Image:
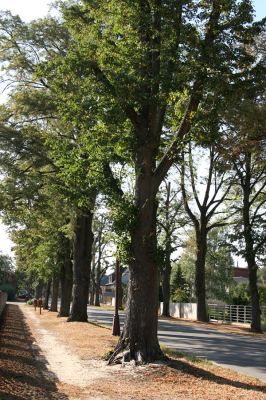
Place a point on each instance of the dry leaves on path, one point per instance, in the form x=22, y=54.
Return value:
x=23, y=372
x=81, y=345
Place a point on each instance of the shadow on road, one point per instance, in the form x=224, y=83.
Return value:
x=23, y=371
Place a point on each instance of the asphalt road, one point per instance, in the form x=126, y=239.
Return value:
x=242, y=353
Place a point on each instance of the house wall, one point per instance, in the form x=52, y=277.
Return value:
x=182, y=310
x=3, y=299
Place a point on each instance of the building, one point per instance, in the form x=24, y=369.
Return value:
x=240, y=275
x=108, y=285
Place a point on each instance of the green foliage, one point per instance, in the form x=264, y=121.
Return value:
x=219, y=264
x=95, y=87
x=262, y=294
x=262, y=274
x=6, y=268
x=9, y=289
x=239, y=294
x=180, y=288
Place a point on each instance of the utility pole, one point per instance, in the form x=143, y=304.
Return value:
x=116, y=323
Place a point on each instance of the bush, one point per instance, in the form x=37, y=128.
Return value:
x=262, y=292
x=9, y=289
x=30, y=302
x=239, y=294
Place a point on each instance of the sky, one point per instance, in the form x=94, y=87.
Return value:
x=32, y=9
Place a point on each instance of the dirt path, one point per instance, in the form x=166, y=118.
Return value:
x=44, y=357
x=62, y=361
x=23, y=372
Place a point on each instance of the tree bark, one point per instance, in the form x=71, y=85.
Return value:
x=249, y=249
x=254, y=293
x=139, y=340
x=47, y=295
x=82, y=253
x=55, y=292
x=97, y=281
x=66, y=279
x=166, y=284
x=201, y=238
x=92, y=294
x=167, y=267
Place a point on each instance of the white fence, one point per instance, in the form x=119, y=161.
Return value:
x=3, y=299
x=182, y=310
x=217, y=312
x=232, y=313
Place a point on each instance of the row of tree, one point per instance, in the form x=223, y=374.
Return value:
x=105, y=102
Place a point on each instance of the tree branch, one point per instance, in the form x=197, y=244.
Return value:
x=196, y=95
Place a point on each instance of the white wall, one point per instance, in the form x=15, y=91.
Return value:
x=182, y=310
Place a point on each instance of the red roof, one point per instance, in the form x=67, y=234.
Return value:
x=240, y=272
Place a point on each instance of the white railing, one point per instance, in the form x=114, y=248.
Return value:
x=232, y=313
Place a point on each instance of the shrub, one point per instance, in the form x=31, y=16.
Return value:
x=239, y=294
x=262, y=292
x=9, y=289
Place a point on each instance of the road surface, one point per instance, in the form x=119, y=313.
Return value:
x=243, y=353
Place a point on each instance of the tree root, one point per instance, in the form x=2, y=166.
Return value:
x=125, y=355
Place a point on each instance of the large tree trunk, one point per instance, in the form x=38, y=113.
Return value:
x=47, y=295
x=55, y=292
x=82, y=249
x=139, y=340
x=255, y=299
x=200, y=286
x=249, y=250
x=66, y=279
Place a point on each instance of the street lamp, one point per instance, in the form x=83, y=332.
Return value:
x=116, y=323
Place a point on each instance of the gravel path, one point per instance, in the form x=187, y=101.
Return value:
x=23, y=373
x=64, y=363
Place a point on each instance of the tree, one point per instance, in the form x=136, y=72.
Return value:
x=131, y=83
x=6, y=268
x=169, y=221
x=8, y=281
x=248, y=161
x=180, y=288
x=206, y=218
x=101, y=251
x=146, y=68
x=218, y=267
x=39, y=135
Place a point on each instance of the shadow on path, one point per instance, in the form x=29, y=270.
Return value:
x=23, y=371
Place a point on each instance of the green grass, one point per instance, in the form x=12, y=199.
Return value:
x=100, y=325
x=189, y=357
